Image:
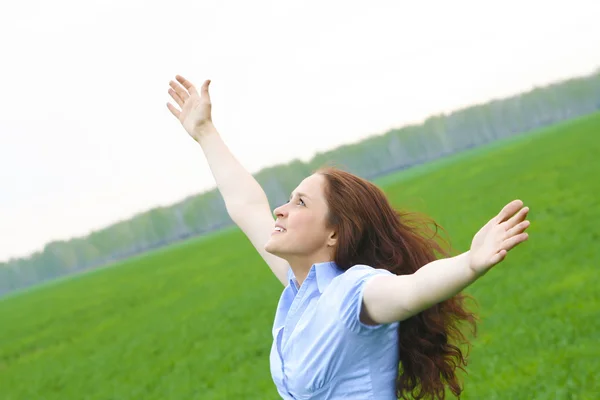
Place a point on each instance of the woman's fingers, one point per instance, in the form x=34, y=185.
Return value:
x=509, y=210
x=512, y=241
x=517, y=218
x=204, y=90
x=181, y=92
x=186, y=84
x=173, y=110
x=498, y=257
x=519, y=228
x=177, y=98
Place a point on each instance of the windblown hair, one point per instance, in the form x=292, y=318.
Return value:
x=371, y=232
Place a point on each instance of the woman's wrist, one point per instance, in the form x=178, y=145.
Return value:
x=204, y=131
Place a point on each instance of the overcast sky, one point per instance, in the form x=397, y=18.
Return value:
x=86, y=138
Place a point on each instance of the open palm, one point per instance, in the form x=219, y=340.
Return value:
x=195, y=108
x=501, y=234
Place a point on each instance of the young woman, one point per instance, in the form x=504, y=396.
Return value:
x=368, y=311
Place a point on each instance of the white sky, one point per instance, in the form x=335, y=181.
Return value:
x=86, y=138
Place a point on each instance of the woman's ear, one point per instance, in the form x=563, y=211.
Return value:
x=332, y=239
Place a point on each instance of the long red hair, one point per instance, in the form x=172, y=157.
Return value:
x=371, y=232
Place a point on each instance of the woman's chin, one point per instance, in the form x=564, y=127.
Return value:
x=274, y=248
x=271, y=248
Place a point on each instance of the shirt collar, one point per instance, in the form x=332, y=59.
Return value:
x=325, y=272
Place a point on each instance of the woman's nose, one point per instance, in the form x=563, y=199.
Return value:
x=279, y=211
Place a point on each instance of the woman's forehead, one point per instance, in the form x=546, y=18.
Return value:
x=311, y=186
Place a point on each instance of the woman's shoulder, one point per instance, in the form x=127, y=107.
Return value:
x=363, y=269
x=358, y=273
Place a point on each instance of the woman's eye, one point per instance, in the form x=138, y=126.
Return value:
x=300, y=201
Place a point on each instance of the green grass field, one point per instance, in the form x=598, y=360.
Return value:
x=193, y=321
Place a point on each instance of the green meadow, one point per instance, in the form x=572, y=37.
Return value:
x=193, y=321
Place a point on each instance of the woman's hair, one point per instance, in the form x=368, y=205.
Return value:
x=371, y=232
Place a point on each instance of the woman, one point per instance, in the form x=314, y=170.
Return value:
x=367, y=311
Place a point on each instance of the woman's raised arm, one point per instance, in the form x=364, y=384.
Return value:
x=395, y=298
x=246, y=201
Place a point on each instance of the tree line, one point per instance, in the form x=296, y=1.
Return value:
x=438, y=136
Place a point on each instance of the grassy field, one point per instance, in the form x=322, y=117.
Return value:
x=193, y=321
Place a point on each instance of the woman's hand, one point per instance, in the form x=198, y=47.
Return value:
x=501, y=234
x=195, y=114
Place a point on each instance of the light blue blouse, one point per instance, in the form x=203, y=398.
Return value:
x=320, y=348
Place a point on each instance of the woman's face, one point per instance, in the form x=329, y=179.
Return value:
x=302, y=220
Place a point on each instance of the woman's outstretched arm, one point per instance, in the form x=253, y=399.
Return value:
x=246, y=201
x=395, y=298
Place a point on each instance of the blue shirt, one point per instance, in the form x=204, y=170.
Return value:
x=321, y=349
